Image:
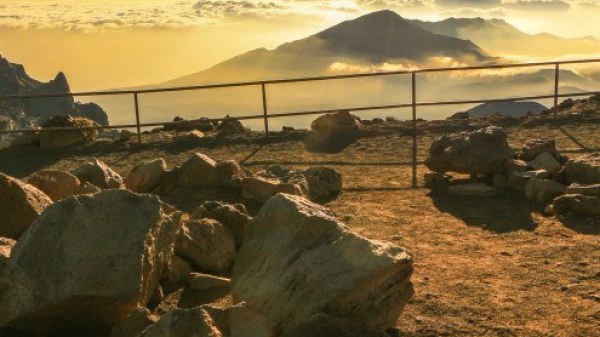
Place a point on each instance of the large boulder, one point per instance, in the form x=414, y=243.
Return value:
x=20, y=205
x=234, y=217
x=6, y=246
x=584, y=170
x=99, y=174
x=484, y=151
x=324, y=183
x=206, y=244
x=333, y=132
x=298, y=260
x=57, y=185
x=184, y=323
x=578, y=204
x=145, y=177
x=88, y=260
x=57, y=139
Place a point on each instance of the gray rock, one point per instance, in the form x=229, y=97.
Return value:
x=324, y=183
x=57, y=185
x=261, y=189
x=534, y=148
x=234, y=217
x=6, y=246
x=484, y=151
x=333, y=132
x=135, y=324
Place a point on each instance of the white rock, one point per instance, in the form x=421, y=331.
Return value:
x=87, y=260
x=297, y=260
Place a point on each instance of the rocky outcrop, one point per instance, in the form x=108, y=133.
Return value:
x=21, y=204
x=86, y=261
x=333, y=132
x=484, y=151
x=206, y=244
x=98, y=174
x=298, y=260
x=59, y=185
x=145, y=177
x=33, y=112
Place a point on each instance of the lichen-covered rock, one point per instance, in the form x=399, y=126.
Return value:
x=87, y=260
x=484, y=151
x=98, y=174
x=183, y=323
x=298, y=260
x=20, y=205
x=57, y=185
x=206, y=244
x=145, y=177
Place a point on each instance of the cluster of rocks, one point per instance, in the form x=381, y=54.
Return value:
x=87, y=252
x=538, y=170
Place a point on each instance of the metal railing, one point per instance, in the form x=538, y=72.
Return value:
x=414, y=104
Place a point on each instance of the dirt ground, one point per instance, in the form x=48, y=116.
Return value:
x=483, y=267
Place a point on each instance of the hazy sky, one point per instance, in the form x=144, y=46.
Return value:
x=113, y=43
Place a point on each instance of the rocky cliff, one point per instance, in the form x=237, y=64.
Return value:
x=25, y=113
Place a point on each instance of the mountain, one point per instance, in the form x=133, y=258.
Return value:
x=26, y=113
x=499, y=37
x=374, y=38
x=506, y=108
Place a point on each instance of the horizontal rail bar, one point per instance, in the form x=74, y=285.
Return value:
x=300, y=79
x=307, y=113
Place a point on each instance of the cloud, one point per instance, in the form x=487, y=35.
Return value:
x=468, y=3
x=538, y=5
x=237, y=8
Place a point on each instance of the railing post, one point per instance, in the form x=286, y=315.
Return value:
x=556, y=79
x=137, y=116
x=265, y=109
x=414, y=127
